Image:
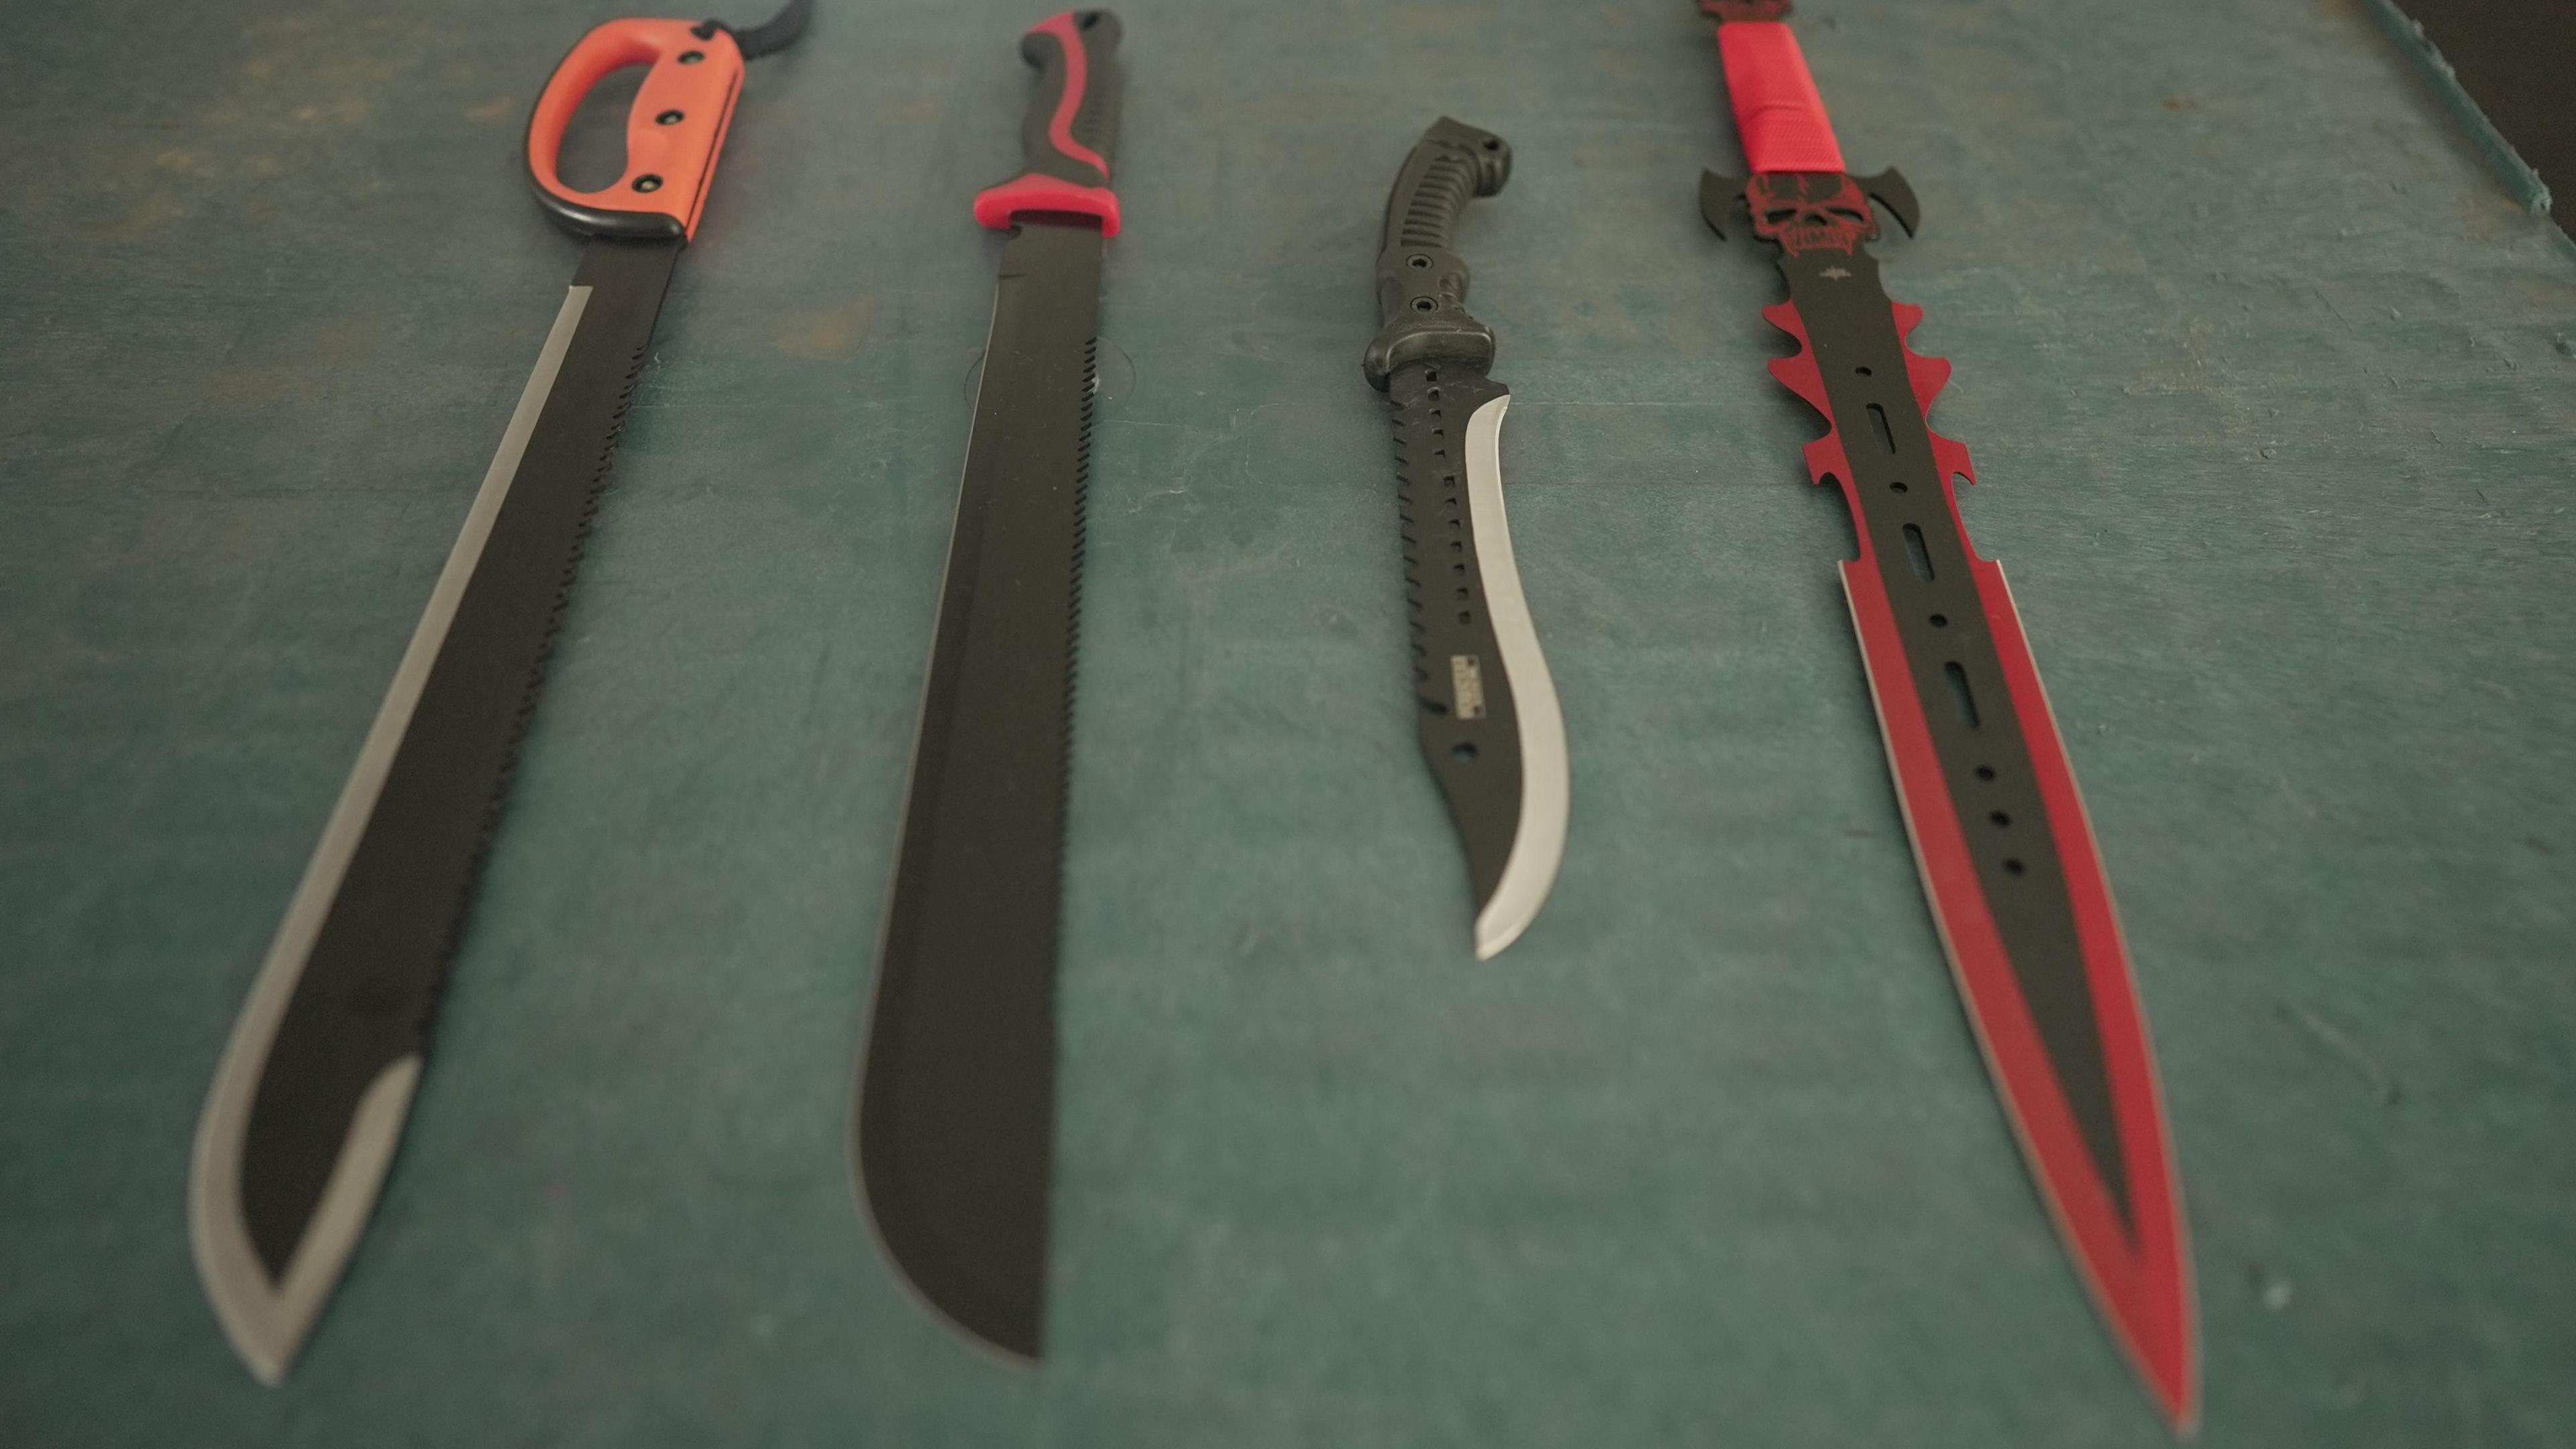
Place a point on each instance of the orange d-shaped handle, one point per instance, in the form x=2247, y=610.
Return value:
x=673, y=133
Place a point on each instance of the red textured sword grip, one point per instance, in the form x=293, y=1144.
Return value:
x=1778, y=114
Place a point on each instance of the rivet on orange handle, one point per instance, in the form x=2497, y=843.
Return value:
x=673, y=133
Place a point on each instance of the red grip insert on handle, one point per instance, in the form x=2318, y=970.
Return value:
x=673, y=133
x=1778, y=114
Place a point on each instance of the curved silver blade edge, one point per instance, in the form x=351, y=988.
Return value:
x=267, y=1322
x=1538, y=843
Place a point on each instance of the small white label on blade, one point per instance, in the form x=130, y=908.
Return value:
x=1467, y=685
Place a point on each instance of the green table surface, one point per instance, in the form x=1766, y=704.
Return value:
x=2273, y=389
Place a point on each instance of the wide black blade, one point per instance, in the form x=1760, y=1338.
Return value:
x=305, y=1111
x=1490, y=726
x=957, y=1098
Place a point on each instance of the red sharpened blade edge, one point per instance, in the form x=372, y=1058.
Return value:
x=2140, y=1281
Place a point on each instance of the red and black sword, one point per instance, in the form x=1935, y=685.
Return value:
x=2000, y=836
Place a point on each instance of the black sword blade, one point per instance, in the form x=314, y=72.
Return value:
x=956, y=1107
x=309, y=1103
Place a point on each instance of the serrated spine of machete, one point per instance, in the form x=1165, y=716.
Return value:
x=1073, y=590
x=490, y=823
x=1408, y=515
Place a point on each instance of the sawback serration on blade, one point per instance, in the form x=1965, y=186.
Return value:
x=302, y=1121
x=955, y=1119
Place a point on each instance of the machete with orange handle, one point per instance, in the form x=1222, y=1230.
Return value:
x=2000, y=836
x=309, y=1102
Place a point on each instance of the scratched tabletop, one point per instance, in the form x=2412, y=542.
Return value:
x=2272, y=385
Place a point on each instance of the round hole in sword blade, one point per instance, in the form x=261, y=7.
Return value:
x=692, y=57
x=2013, y=867
x=1860, y=372
x=1999, y=817
x=1985, y=772
x=648, y=182
x=1464, y=752
x=1418, y=263
x=670, y=118
x=1896, y=487
x=1424, y=304
x=1940, y=621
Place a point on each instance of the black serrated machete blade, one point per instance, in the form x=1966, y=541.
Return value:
x=309, y=1103
x=956, y=1109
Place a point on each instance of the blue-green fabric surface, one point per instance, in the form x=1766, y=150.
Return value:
x=2270, y=384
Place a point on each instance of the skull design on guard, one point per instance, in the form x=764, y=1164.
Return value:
x=1808, y=211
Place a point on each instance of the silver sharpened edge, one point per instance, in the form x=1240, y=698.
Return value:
x=267, y=1322
x=1538, y=843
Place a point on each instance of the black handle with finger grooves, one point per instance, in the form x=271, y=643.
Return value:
x=1421, y=279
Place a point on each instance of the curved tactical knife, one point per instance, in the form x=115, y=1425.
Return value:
x=955, y=1118
x=2006, y=854
x=1489, y=722
x=309, y=1102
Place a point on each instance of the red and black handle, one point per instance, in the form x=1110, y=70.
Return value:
x=1798, y=194
x=1071, y=128
x=674, y=130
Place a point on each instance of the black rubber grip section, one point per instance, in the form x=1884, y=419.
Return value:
x=1421, y=279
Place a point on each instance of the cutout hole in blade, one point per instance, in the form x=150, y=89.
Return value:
x=1878, y=425
x=1464, y=752
x=1917, y=554
x=1962, y=696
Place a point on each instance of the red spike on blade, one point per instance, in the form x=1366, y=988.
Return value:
x=2139, y=1280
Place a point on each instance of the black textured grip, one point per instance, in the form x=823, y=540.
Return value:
x=1421, y=279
